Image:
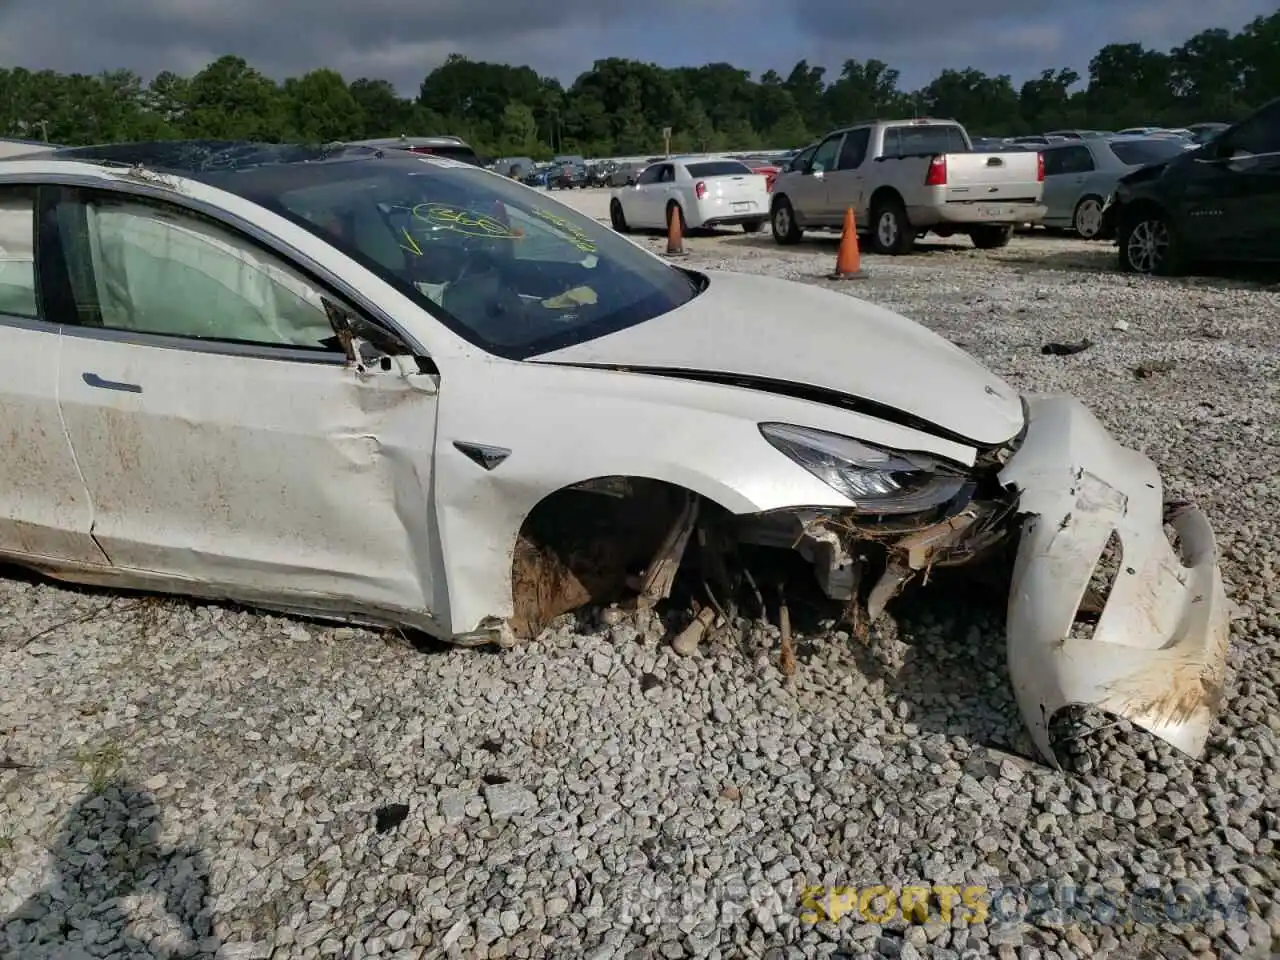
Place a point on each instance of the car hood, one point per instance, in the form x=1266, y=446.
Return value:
x=794, y=338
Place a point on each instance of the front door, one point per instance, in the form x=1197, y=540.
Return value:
x=644, y=210
x=1250, y=167
x=45, y=513
x=223, y=436
x=809, y=193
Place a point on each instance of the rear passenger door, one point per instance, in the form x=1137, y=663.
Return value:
x=45, y=513
x=1066, y=170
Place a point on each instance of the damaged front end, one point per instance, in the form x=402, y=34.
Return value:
x=1063, y=489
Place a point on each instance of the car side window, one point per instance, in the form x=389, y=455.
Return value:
x=1258, y=134
x=854, y=150
x=650, y=175
x=156, y=269
x=824, y=158
x=1076, y=159
x=17, y=252
x=667, y=173
x=1055, y=162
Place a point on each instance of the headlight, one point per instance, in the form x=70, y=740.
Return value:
x=878, y=481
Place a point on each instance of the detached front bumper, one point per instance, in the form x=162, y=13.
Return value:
x=1157, y=655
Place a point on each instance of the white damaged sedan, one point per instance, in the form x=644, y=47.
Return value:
x=398, y=390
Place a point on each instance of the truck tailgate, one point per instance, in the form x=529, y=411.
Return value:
x=993, y=176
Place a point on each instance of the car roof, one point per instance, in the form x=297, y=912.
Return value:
x=440, y=141
x=245, y=168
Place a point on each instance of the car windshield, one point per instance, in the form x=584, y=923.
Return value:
x=719, y=168
x=1142, y=152
x=505, y=266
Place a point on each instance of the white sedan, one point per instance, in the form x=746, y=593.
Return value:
x=400, y=390
x=702, y=193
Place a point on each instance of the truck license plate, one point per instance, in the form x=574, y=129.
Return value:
x=994, y=213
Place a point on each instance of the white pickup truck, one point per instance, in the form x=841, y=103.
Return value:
x=906, y=178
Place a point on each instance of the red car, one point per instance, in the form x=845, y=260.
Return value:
x=768, y=168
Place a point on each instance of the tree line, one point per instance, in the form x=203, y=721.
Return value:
x=622, y=106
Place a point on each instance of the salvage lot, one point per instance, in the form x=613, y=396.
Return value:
x=590, y=794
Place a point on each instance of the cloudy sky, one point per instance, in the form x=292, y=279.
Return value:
x=400, y=40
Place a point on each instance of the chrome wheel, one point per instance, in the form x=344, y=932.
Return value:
x=1148, y=245
x=887, y=230
x=782, y=220
x=1089, y=218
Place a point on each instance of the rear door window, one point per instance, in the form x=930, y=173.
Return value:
x=854, y=150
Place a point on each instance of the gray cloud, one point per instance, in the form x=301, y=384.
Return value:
x=401, y=40
x=1019, y=37
x=397, y=39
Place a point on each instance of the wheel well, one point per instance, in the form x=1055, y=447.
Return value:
x=1143, y=207
x=777, y=198
x=582, y=543
x=885, y=194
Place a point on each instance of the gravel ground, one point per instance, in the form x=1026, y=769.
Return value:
x=186, y=779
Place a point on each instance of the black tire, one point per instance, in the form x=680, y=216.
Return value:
x=1086, y=219
x=991, y=238
x=752, y=226
x=891, y=231
x=617, y=218
x=684, y=227
x=783, y=221
x=1149, y=244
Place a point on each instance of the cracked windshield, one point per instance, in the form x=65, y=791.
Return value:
x=512, y=272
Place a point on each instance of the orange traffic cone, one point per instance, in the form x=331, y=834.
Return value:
x=675, y=234
x=848, y=259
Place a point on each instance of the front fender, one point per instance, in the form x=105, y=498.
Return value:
x=563, y=425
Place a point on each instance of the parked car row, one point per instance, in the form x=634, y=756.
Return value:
x=1166, y=196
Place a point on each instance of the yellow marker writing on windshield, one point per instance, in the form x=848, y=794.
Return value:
x=413, y=244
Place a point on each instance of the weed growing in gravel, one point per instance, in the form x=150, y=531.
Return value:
x=100, y=765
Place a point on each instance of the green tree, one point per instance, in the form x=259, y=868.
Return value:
x=320, y=107
x=621, y=105
x=519, y=130
x=230, y=99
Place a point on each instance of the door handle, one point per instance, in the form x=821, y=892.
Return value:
x=93, y=380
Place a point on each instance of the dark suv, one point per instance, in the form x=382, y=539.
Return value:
x=1219, y=202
